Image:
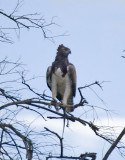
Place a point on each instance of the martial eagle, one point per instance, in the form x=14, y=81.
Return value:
x=61, y=78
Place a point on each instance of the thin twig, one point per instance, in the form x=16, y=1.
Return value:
x=60, y=139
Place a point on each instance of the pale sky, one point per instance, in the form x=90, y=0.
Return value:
x=96, y=36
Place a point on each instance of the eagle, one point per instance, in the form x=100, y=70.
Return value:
x=61, y=78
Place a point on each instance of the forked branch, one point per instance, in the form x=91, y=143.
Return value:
x=27, y=142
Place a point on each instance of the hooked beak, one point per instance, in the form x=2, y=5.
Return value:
x=69, y=52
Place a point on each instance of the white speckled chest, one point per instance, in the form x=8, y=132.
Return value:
x=61, y=84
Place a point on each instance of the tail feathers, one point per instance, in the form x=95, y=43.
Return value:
x=69, y=102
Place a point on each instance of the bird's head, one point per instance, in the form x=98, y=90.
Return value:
x=63, y=51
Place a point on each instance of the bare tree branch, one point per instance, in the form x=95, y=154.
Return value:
x=25, y=21
x=114, y=144
x=27, y=142
x=13, y=105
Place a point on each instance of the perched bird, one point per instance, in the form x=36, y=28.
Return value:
x=61, y=78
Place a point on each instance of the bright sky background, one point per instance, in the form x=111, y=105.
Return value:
x=96, y=37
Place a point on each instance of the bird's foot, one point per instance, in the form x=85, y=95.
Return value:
x=55, y=104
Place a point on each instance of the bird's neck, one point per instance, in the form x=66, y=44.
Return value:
x=62, y=59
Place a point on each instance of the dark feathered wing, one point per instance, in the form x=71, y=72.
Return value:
x=49, y=77
x=72, y=76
